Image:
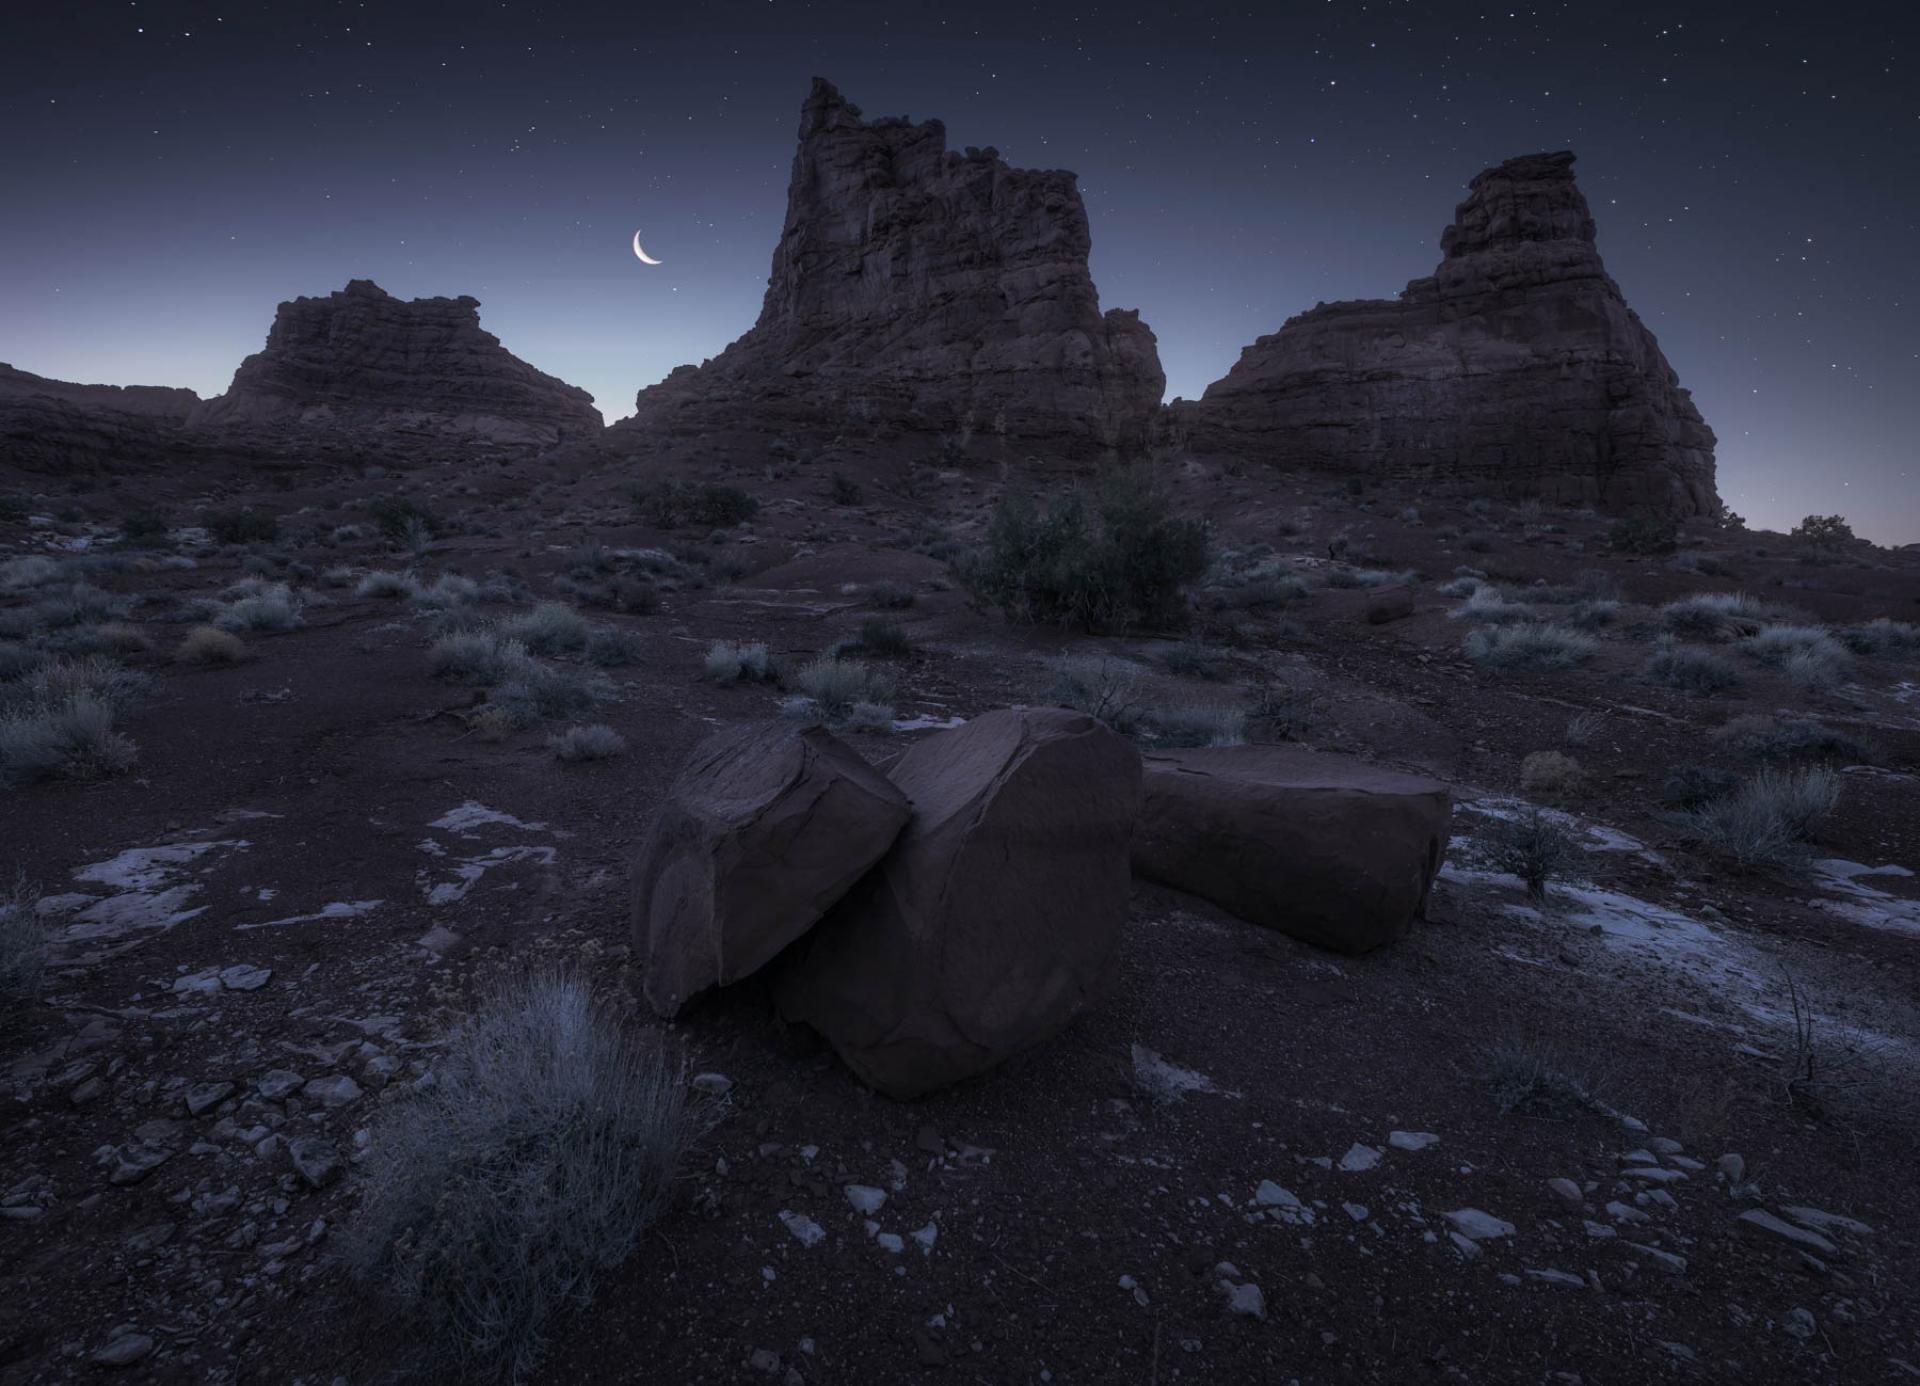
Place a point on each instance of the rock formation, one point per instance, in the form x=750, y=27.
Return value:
x=922, y=292
x=397, y=377
x=56, y=426
x=762, y=831
x=1320, y=847
x=1517, y=364
x=995, y=918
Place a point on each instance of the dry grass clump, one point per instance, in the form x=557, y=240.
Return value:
x=114, y=637
x=23, y=946
x=1486, y=606
x=57, y=721
x=1351, y=578
x=1809, y=656
x=1100, y=686
x=545, y=1146
x=595, y=741
x=891, y=596
x=1769, y=819
x=1529, y=647
x=1551, y=773
x=1713, y=615
x=610, y=647
x=269, y=607
x=843, y=692
x=1532, y=846
x=550, y=628
x=447, y=590
x=380, y=583
x=1196, y=725
x=1771, y=738
x=728, y=663
x=1882, y=638
x=1699, y=672
x=210, y=645
x=1528, y=1074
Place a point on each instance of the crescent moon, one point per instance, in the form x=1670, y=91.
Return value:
x=645, y=258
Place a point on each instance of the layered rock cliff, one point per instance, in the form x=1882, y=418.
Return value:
x=1517, y=364
x=399, y=375
x=57, y=426
x=920, y=291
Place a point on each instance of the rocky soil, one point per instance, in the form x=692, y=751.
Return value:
x=1254, y=1161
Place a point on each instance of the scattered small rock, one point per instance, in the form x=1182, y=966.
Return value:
x=314, y=1160
x=805, y=1230
x=1472, y=1223
x=1411, y=1140
x=713, y=1084
x=125, y=1349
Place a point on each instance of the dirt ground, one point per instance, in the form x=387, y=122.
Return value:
x=318, y=860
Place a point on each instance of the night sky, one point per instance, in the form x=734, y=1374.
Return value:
x=172, y=171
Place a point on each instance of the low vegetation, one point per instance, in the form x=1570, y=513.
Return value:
x=1534, y=646
x=843, y=692
x=1767, y=820
x=23, y=947
x=240, y=526
x=210, y=645
x=57, y=721
x=595, y=741
x=1809, y=656
x=1533, y=846
x=1760, y=737
x=1690, y=670
x=1712, y=616
x=670, y=504
x=493, y=1198
x=728, y=663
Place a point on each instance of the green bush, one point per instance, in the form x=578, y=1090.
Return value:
x=1111, y=560
x=1824, y=531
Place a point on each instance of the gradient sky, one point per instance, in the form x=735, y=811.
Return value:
x=172, y=171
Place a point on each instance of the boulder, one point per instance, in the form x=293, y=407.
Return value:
x=1320, y=847
x=921, y=298
x=764, y=829
x=995, y=918
x=1517, y=365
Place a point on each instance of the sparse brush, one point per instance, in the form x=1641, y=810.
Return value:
x=1584, y=728
x=447, y=590
x=1533, y=847
x=480, y=657
x=533, y=692
x=1260, y=587
x=669, y=504
x=1532, y=646
x=1593, y=613
x=113, y=637
x=1532, y=1075
x=728, y=663
x=1100, y=686
x=1768, y=819
x=1694, y=786
x=17, y=661
x=1883, y=639
x=210, y=645
x=1808, y=655
x=1194, y=726
x=550, y=628
x=70, y=738
x=23, y=946
x=595, y=741
x=1365, y=577
x=884, y=640
x=1486, y=606
x=610, y=647
x=1699, y=672
x=891, y=596
x=835, y=685
x=493, y=1198
x=276, y=608
x=1193, y=660
x=1770, y=738
x=1550, y=773
x=1712, y=615
x=28, y=571
x=340, y=575
x=386, y=584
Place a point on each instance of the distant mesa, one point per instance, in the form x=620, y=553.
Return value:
x=54, y=425
x=922, y=294
x=361, y=361
x=1517, y=364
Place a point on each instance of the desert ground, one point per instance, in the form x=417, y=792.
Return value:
x=1659, y=1125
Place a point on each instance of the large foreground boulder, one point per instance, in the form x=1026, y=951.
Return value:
x=764, y=829
x=1320, y=847
x=995, y=918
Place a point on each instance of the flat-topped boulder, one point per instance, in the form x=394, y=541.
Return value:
x=1321, y=847
x=399, y=374
x=995, y=918
x=1517, y=365
x=925, y=296
x=762, y=831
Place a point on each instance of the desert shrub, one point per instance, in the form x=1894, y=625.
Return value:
x=1550, y=773
x=1767, y=820
x=1770, y=738
x=1486, y=606
x=708, y=505
x=144, y=529
x=240, y=526
x=1824, y=531
x=210, y=645
x=835, y=685
x=69, y=737
x=1534, y=646
x=385, y=584
x=610, y=647
x=449, y=589
x=1112, y=560
x=23, y=947
x=28, y=571
x=891, y=596
x=112, y=637
x=1465, y=585
x=883, y=639
x=1592, y=614
x=480, y=657
x=1883, y=638
x=80, y=604
x=550, y=628
x=727, y=663
x=595, y=741
x=17, y=661
x=1196, y=725
x=1194, y=660
x=276, y=608
x=1700, y=672
x=1712, y=615
x=1643, y=535
x=348, y=534
x=340, y=575
x=1259, y=587
x=1351, y=578
x=545, y=1146
x=1532, y=846
x=844, y=490
x=1530, y=1075
x=1807, y=655
x=532, y=692
x=1100, y=686
x=400, y=520
x=1693, y=786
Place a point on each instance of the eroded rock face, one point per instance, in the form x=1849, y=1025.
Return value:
x=764, y=829
x=921, y=292
x=994, y=919
x=401, y=374
x=1517, y=364
x=57, y=426
x=1320, y=847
